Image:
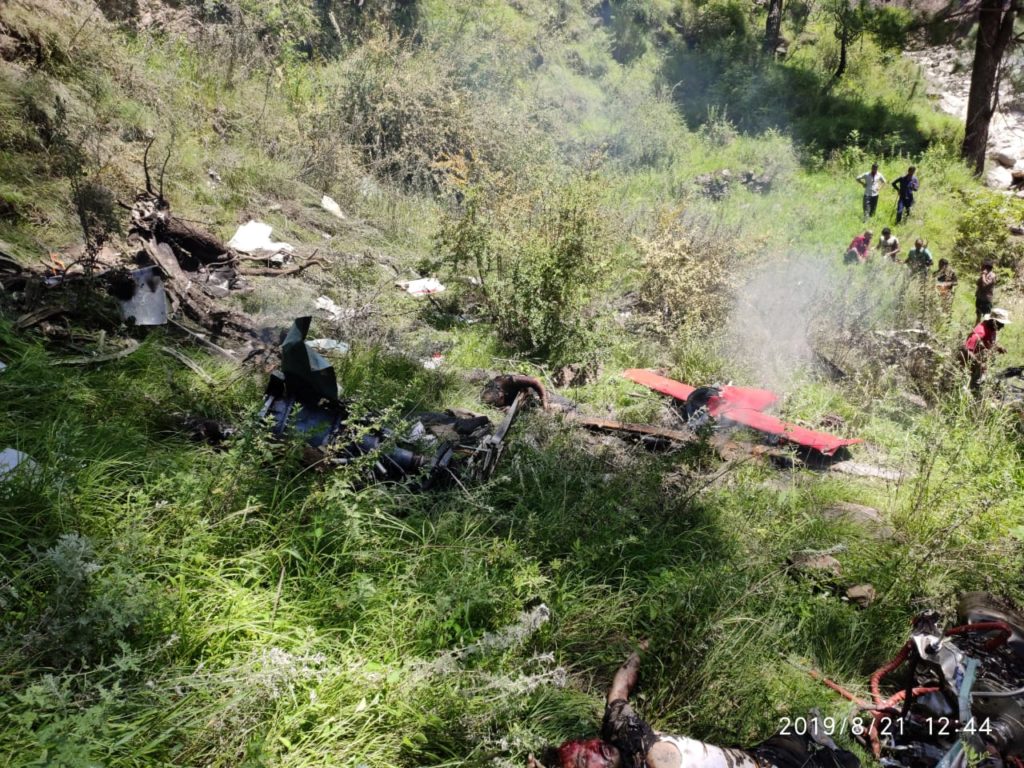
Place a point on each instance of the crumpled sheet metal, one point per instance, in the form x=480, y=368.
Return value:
x=309, y=375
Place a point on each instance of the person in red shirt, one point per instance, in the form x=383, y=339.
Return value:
x=858, y=250
x=981, y=344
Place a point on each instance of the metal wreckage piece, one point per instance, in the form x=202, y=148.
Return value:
x=960, y=699
x=303, y=398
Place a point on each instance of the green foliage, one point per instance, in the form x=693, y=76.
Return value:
x=983, y=231
x=537, y=263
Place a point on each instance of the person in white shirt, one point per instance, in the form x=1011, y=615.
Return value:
x=872, y=182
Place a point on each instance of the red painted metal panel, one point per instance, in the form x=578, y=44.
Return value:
x=763, y=422
x=745, y=397
x=662, y=384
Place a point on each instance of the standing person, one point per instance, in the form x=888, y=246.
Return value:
x=905, y=187
x=872, y=182
x=627, y=741
x=945, y=282
x=981, y=344
x=889, y=245
x=919, y=259
x=984, y=291
x=857, y=252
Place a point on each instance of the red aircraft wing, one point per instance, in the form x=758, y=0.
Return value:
x=662, y=384
x=743, y=405
x=820, y=441
x=746, y=397
x=734, y=397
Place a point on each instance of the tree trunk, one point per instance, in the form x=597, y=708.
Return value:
x=773, y=26
x=844, y=42
x=995, y=31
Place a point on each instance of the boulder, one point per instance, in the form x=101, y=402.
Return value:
x=861, y=595
x=867, y=518
x=998, y=177
x=1003, y=157
x=815, y=564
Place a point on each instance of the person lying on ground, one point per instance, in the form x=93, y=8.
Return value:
x=627, y=741
x=905, y=187
x=889, y=244
x=872, y=182
x=919, y=258
x=984, y=291
x=981, y=344
x=857, y=252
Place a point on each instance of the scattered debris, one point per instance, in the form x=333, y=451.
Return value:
x=717, y=184
x=147, y=302
x=329, y=205
x=424, y=286
x=303, y=397
x=864, y=517
x=14, y=461
x=128, y=347
x=327, y=346
x=574, y=375
x=739, y=406
x=254, y=236
x=861, y=595
x=3, y=366
x=964, y=685
x=639, y=430
x=501, y=391
x=433, y=362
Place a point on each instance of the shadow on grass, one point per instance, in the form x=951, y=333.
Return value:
x=756, y=94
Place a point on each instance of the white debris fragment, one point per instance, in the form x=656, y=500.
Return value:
x=421, y=287
x=3, y=366
x=332, y=207
x=433, y=362
x=325, y=346
x=254, y=236
x=12, y=461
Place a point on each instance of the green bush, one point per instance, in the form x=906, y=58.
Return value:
x=537, y=262
x=983, y=231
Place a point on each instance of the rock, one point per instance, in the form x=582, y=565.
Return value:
x=861, y=595
x=998, y=177
x=815, y=564
x=867, y=518
x=1003, y=157
x=911, y=399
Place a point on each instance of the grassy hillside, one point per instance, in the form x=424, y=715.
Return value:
x=166, y=604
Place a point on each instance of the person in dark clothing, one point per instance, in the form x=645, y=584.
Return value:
x=919, y=259
x=627, y=741
x=905, y=187
x=984, y=291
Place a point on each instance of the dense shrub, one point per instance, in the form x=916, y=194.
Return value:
x=983, y=231
x=73, y=607
x=689, y=270
x=537, y=261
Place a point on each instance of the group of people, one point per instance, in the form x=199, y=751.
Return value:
x=919, y=259
x=906, y=185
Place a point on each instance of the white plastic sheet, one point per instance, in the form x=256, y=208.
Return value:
x=254, y=236
x=421, y=287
